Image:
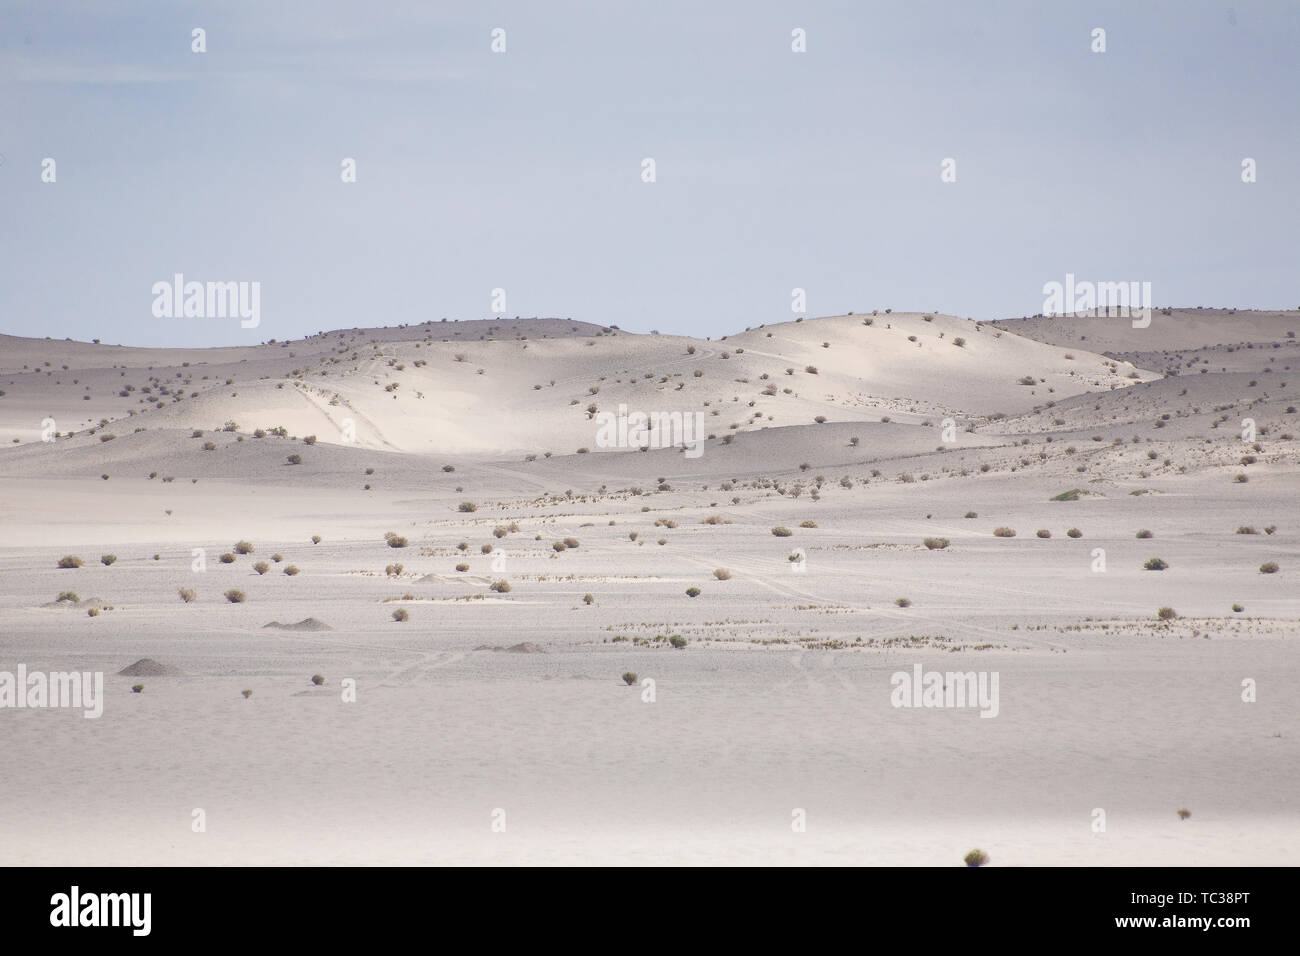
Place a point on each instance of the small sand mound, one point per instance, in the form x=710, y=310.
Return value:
x=148, y=667
x=527, y=647
x=306, y=624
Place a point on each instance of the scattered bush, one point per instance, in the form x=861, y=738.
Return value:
x=243, y=547
x=400, y=614
x=261, y=567
x=1268, y=567
x=1144, y=533
x=467, y=506
x=318, y=679
x=588, y=599
x=500, y=587
x=976, y=858
x=315, y=539
x=137, y=688
x=1074, y=533
x=291, y=570
x=234, y=596
x=247, y=694
x=722, y=574
x=1004, y=533
x=629, y=678
x=692, y=592
x=107, y=559
x=187, y=594
x=936, y=544
x=677, y=641
x=227, y=558
x=1238, y=608
x=782, y=532
x=295, y=459
x=1043, y=533
x=1156, y=564
x=395, y=540
x=70, y=561
x=1166, y=614
x=903, y=602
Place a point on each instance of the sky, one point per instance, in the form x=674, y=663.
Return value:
x=523, y=170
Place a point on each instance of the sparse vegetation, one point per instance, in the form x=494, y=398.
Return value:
x=1156, y=564
x=781, y=532
x=1268, y=567
x=1166, y=614
x=401, y=614
x=70, y=561
x=107, y=559
x=234, y=596
x=629, y=678
x=1004, y=532
x=936, y=544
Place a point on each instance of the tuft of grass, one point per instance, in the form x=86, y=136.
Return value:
x=92, y=612
x=234, y=596
x=70, y=561
x=1166, y=614
x=68, y=596
x=971, y=514
x=1246, y=529
x=277, y=557
x=936, y=544
x=1156, y=564
x=395, y=540
x=807, y=524
x=1071, y=495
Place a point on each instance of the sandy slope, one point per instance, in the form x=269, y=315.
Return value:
x=781, y=698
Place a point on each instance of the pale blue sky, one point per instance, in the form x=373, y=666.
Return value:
x=522, y=170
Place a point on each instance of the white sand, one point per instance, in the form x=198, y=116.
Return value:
x=1101, y=705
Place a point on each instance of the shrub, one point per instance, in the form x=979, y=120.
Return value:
x=291, y=570
x=318, y=679
x=92, y=612
x=1238, y=608
x=107, y=559
x=959, y=341
x=1075, y=533
x=277, y=557
x=629, y=678
x=1246, y=529
x=400, y=614
x=571, y=542
x=393, y=570
x=1184, y=813
x=975, y=857
x=243, y=547
x=212, y=446
x=1166, y=614
x=722, y=574
x=971, y=514
x=462, y=567
x=395, y=540
x=499, y=532
x=227, y=558
x=807, y=524
x=1241, y=479
x=1156, y=564
x=936, y=544
x=677, y=641
x=588, y=599
x=1268, y=567
x=782, y=532
x=234, y=596
x=247, y=694
x=261, y=567
x=68, y=596
x=187, y=594
x=467, y=506
x=1144, y=533
x=501, y=587
x=1043, y=533
x=137, y=688
x=903, y=602
x=70, y=561
x=1071, y=495
x=295, y=459
x=1004, y=533
x=315, y=539
x=559, y=546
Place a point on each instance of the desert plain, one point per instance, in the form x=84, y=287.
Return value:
x=475, y=568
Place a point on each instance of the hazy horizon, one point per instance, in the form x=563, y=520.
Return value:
x=522, y=170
